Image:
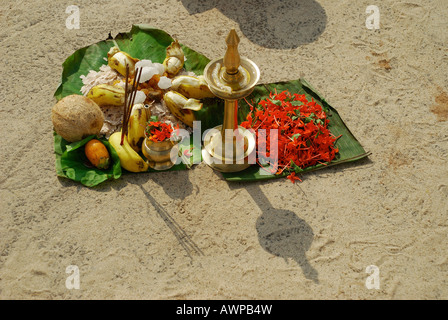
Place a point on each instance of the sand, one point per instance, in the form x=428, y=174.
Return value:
x=192, y=235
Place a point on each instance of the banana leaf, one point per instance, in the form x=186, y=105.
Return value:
x=145, y=42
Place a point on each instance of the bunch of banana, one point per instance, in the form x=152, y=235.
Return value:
x=137, y=125
x=118, y=60
x=106, y=94
x=182, y=107
x=174, y=61
x=129, y=158
x=192, y=87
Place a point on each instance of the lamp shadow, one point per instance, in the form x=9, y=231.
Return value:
x=282, y=233
x=284, y=24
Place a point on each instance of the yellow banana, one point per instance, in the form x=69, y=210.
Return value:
x=192, y=87
x=174, y=61
x=182, y=107
x=137, y=126
x=106, y=94
x=129, y=158
x=172, y=66
x=118, y=60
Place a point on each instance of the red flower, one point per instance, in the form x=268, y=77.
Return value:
x=293, y=177
x=158, y=131
x=302, y=131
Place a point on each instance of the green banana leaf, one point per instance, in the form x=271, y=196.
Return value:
x=145, y=42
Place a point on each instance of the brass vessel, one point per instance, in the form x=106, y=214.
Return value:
x=158, y=154
x=230, y=147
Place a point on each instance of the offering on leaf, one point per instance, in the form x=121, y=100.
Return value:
x=161, y=144
x=175, y=58
x=107, y=88
x=138, y=119
x=119, y=60
x=76, y=117
x=143, y=88
x=182, y=107
x=300, y=128
x=192, y=87
x=89, y=67
x=107, y=95
x=96, y=152
x=129, y=158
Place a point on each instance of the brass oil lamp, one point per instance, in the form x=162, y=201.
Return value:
x=229, y=147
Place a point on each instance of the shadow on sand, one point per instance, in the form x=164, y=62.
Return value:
x=182, y=237
x=282, y=233
x=284, y=24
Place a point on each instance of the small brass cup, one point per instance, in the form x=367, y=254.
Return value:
x=158, y=154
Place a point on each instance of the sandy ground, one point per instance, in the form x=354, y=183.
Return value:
x=192, y=235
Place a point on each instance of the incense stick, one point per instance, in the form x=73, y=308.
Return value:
x=129, y=100
x=134, y=93
x=125, y=104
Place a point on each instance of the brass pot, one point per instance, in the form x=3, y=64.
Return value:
x=159, y=153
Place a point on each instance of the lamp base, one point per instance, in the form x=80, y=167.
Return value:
x=229, y=153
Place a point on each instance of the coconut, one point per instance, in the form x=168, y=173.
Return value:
x=75, y=117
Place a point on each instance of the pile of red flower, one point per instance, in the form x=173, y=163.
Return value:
x=158, y=131
x=301, y=129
